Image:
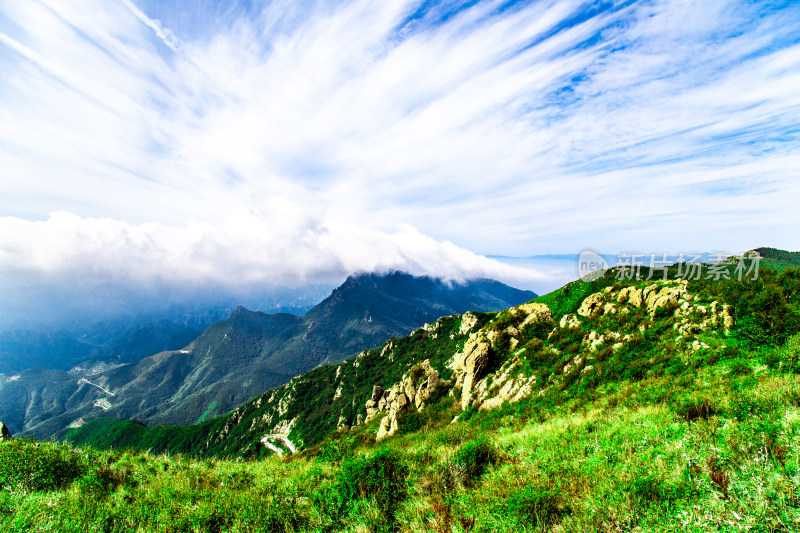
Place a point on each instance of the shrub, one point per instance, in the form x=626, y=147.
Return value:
x=34, y=466
x=334, y=450
x=662, y=312
x=740, y=367
x=691, y=409
x=474, y=457
x=104, y=479
x=382, y=476
x=539, y=330
x=537, y=506
x=416, y=373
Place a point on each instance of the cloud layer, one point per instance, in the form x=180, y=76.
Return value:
x=266, y=249
x=300, y=140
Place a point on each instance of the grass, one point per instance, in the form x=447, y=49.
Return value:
x=620, y=462
x=655, y=436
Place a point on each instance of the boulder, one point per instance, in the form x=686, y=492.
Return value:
x=636, y=297
x=533, y=312
x=569, y=321
x=592, y=306
x=377, y=393
x=624, y=294
x=427, y=380
x=415, y=388
x=389, y=426
x=727, y=318
x=650, y=292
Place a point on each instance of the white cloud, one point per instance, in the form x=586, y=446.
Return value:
x=284, y=246
x=294, y=141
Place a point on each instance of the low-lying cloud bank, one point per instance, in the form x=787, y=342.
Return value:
x=67, y=271
x=279, y=248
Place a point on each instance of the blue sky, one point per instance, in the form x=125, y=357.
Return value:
x=292, y=141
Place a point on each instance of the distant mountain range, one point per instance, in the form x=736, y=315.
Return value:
x=22, y=350
x=237, y=358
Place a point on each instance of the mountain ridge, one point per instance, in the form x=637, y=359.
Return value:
x=573, y=329
x=250, y=352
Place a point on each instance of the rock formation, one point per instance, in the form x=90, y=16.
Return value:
x=416, y=387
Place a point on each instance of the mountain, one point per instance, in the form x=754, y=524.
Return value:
x=140, y=341
x=23, y=349
x=250, y=352
x=619, y=404
x=563, y=346
x=778, y=259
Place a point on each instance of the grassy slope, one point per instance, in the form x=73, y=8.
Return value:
x=658, y=441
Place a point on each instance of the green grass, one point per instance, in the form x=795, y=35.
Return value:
x=652, y=436
x=621, y=462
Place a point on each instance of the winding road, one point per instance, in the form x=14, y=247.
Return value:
x=84, y=380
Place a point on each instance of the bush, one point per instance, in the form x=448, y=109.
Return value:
x=104, y=479
x=539, y=330
x=334, y=450
x=35, y=466
x=474, y=457
x=740, y=367
x=382, y=476
x=691, y=409
x=537, y=506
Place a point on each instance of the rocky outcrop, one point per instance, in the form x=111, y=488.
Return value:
x=592, y=306
x=372, y=403
x=416, y=387
x=5, y=434
x=533, y=312
x=474, y=362
x=668, y=295
x=471, y=365
x=468, y=322
x=569, y=321
x=509, y=384
x=697, y=319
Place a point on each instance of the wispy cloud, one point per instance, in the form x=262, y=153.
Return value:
x=328, y=131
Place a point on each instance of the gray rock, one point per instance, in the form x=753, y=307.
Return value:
x=470, y=366
x=377, y=393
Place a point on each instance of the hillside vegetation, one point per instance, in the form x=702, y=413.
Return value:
x=235, y=359
x=615, y=405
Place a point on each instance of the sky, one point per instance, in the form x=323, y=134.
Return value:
x=293, y=142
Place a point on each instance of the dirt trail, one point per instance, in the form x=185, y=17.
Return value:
x=84, y=380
